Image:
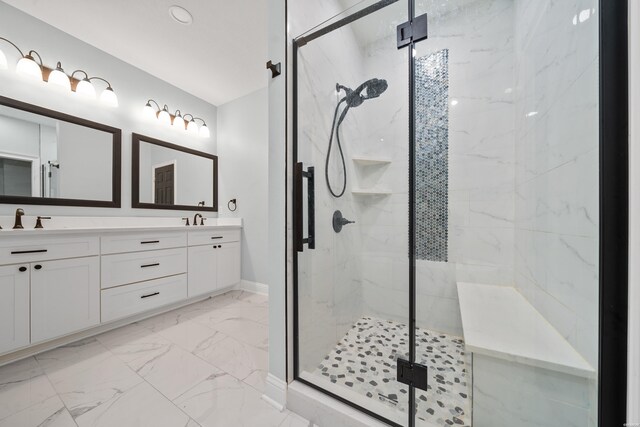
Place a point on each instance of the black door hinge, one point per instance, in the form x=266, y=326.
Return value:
x=412, y=374
x=412, y=31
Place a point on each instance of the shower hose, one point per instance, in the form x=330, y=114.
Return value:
x=335, y=129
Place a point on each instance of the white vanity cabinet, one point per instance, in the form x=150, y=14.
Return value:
x=14, y=307
x=49, y=287
x=214, y=261
x=56, y=283
x=65, y=297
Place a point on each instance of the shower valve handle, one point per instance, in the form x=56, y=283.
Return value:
x=339, y=221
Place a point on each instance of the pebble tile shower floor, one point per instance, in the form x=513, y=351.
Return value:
x=365, y=361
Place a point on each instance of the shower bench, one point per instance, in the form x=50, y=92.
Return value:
x=521, y=361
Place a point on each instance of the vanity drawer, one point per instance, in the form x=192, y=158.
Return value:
x=146, y=241
x=121, y=269
x=140, y=297
x=23, y=249
x=207, y=237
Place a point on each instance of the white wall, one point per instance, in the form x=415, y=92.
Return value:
x=133, y=87
x=243, y=152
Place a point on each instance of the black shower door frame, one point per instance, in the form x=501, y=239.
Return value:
x=613, y=209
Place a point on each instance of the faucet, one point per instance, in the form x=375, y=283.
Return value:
x=195, y=219
x=18, y=223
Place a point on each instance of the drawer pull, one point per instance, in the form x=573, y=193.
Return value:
x=149, y=242
x=37, y=251
x=150, y=265
x=37, y=267
x=216, y=237
x=150, y=295
x=22, y=269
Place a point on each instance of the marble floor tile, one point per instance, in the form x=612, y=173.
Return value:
x=247, y=331
x=72, y=357
x=257, y=379
x=86, y=389
x=141, y=406
x=236, y=310
x=22, y=385
x=173, y=372
x=222, y=400
x=235, y=357
x=166, y=320
x=190, y=335
x=139, y=345
x=250, y=297
x=198, y=366
x=50, y=412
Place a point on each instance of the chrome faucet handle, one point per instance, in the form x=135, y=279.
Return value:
x=39, y=221
x=186, y=219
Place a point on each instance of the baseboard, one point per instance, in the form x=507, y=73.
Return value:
x=275, y=392
x=255, y=287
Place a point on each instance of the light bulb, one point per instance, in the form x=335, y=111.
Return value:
x=85, y=88
x=3, y=61
x=192, y=127
x=59, y=78
x=204, y=131
x=164, y=117
x=149, y=111
x=178, y=121
x=109, y=98
x=29, y=68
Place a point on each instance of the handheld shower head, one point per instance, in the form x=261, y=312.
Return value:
x=372, y=88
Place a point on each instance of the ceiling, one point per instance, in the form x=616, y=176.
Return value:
x=219, y=57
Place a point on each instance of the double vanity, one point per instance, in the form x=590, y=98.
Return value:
x=57, y=282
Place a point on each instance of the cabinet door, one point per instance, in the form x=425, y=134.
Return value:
x=65, y=297
x=14, y=307
x=203, y=267
x=228, y=264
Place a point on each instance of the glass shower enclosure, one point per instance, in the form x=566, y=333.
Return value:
x=446, y=211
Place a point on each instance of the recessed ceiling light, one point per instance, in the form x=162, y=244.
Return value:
x=181, y=15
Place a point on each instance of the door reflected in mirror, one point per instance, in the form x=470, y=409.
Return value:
x=48, y=157
x=168, y=176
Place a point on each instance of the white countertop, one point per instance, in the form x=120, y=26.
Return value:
x=498, y=321
x=69, y=225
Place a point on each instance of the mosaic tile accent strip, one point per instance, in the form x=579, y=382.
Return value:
x=432, y=155
x=365, y=362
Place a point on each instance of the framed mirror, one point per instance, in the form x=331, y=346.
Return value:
x=169, y=176
x=52, y=158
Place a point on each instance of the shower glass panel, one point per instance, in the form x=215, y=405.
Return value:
x=352, y=289
x=447, y=194
x=506, y=179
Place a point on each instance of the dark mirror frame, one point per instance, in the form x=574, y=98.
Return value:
x=116, y=163
x=135, y=175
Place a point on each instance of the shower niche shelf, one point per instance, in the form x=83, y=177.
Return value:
x=370, y=192
x=370, y=160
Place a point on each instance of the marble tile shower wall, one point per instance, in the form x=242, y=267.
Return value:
x=479, y=37
x=557, y=162
x=329, y=282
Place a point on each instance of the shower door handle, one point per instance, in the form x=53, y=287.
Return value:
x=298, y=207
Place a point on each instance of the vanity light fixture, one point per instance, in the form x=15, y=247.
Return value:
x=29, y=67
x=177, y=120
x=59, y=78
